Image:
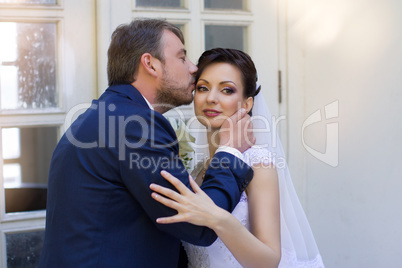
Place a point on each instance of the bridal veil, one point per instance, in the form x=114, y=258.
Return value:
x=299, y=248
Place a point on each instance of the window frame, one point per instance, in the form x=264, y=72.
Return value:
x=42, y=117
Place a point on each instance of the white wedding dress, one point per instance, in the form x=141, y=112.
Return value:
x=298, y=246
x=218, y=255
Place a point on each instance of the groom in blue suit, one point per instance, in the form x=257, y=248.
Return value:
x=99, y=209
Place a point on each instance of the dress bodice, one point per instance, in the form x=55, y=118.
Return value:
x=218, y=255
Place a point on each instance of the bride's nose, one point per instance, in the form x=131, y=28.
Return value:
x=212, y=97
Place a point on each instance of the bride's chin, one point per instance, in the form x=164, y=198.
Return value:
x=214, y=127
x=210, y=124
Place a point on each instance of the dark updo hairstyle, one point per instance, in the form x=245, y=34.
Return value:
x=238, y=59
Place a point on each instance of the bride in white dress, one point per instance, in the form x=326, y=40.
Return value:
x=268, y=227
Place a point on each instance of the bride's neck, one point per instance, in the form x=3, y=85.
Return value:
x=213, y=141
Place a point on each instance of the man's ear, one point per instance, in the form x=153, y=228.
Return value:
x=150, y=64
x=249, y=104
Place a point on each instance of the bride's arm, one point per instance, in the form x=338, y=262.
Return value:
x=261, y=248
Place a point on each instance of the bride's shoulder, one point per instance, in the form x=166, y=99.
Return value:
x=257, y=154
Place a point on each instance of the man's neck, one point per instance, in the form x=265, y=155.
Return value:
x=147, y=91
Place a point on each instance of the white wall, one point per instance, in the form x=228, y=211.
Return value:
x=349, y=51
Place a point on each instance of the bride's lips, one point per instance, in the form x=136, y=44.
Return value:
x=211, y=112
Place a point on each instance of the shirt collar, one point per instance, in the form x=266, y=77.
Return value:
x=149, y=104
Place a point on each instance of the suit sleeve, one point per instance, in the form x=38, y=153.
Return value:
x=152, y=147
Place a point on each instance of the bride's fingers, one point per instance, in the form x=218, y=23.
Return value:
x=194, y=185
x=197, y=189
x=172, y=219
x=166, y=192
x=166, y=201
x=175, y=182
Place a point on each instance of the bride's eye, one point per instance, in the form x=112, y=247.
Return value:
x=228, y=90
x=202, y=88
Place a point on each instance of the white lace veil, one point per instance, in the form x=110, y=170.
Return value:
x=299, y=248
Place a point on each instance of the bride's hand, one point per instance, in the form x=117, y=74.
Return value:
x=195, y=208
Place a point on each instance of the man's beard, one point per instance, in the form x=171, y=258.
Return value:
x=171, y=94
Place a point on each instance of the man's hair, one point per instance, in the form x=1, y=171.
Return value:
x=239, y=59
x=130, y=42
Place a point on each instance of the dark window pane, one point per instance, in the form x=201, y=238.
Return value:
x=44, y=2
x=24, y=249
x=159, y=3
x=28, y=65
x=180, y=26
x=27, y=153
x=224, y=36
x=224, y=4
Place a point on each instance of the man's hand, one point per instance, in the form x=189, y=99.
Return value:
x=237, y=131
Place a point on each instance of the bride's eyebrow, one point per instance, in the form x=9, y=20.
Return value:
x=224, y=82
x=203, y=80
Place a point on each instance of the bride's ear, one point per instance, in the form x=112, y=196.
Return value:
x=249, y=104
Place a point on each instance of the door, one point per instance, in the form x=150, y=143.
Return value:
x=53, y=62
x=47, y=67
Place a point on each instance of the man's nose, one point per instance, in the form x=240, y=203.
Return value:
x=193, y=68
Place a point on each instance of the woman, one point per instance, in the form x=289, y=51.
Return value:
x=268, y=227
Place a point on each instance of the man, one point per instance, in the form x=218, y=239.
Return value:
x=100, y=212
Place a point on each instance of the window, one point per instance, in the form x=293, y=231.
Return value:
x=25, y=171
x=159, y=3
x=29, y=85
x=23, y=249
x=224, y=4
x=28, y=66
x=33, y=2
x=47, y=67
x=225, y=36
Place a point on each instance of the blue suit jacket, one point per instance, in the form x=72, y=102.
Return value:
x=99, y=209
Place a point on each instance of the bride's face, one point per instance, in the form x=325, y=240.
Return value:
x=219, y=94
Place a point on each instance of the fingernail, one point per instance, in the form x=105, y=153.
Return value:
x=163, y=172
x=242, y=110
